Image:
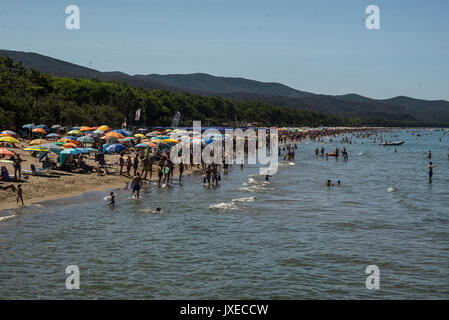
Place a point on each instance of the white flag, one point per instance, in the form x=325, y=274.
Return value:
x=138, y=114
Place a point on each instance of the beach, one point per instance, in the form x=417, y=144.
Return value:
x=57, y=184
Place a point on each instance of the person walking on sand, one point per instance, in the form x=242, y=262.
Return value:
x=136, y=164
x=136, y=185
x=121, y=162
x=20, y=194
x=145, y=167
x=128, y=165
x=17, y=164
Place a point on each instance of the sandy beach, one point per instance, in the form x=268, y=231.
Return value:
x=57, y=184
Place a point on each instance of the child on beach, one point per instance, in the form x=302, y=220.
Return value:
x=19, y=194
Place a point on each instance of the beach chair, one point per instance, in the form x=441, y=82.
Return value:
x=36, y=171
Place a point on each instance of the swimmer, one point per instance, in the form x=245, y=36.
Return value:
x=329, y=183
x=111, y=199
x=267, y=178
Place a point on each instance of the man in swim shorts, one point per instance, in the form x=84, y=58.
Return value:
x=136, y=185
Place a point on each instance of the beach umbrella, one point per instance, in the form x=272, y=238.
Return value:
x=108, y=138
x=104, y=128
x=85, y=128
x=51, y=146
x=59, y=143
x=114, y=148
x=142, y=145
x=128, y=139
x=76, y=143
x=56, y=127
x=76, y=128
x=139, y=135
x=39, y=130
x=5, y=135
x=9, y=139
x=36, y=148
x=6, y=152
x=70, y=151
x=86, y=139
x=28, y=126
x=53, y=135
x=98, y=132
x=37, y=142
x=156, y=132
x=43, y=126
x=170, y=141
x=150, y=144
x=69, y=145
x=115, y=135
x=142, y=129
x=71, y=138
x=87, y=150
x=75, y=132
x=12, y=133
x=151, y=134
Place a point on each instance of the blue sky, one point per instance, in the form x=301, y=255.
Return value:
x=318, y=46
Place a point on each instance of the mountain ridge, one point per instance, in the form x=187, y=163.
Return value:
x=242, y=89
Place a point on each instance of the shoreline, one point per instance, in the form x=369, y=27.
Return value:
x=8, y=205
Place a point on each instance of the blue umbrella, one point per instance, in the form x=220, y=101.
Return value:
x=43, y=126
x=114, y=148
x=71, y=138
x=87, y=150
x=142, y=145
x=86, y=139
x=28, y=126
x=52, y=135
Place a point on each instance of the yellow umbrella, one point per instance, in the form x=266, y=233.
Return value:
x=41, y=149
x=170, y=141
x=156, y=141
x=9, y=139
x=38, y=142
x=104, y=128
x=139, y=135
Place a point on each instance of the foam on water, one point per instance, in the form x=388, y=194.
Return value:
x=7, y=217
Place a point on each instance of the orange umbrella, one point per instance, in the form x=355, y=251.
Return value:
x=37, y=142
x=39, y=130
x=5, y=135
x=151, y=144
x=84, y=128
x=115, y=135
x=68, y=141
x=69, y=145
x=6, y=152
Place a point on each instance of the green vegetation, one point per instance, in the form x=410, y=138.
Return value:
x=31, y=96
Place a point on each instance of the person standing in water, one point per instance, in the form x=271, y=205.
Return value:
x=429, y=155
x=111, y=199
x=136, y=185
x=430, y=166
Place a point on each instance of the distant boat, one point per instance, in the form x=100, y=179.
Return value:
x=397, y=143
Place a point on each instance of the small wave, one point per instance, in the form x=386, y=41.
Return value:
x=224, y=206
x=6, y=218
x=38, y=205
x=291, y=163
x=392, y=189
x=248, y=199
x=252, y=180
x=249, y=189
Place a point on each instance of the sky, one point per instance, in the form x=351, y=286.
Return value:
x=320, y=46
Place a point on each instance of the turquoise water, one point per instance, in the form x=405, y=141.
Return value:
x=292, y=239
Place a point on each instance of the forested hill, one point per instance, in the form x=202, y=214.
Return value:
x=28, y=96
x=397, y=109
x=208, y=83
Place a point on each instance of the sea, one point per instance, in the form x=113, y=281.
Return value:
x=292, y=238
